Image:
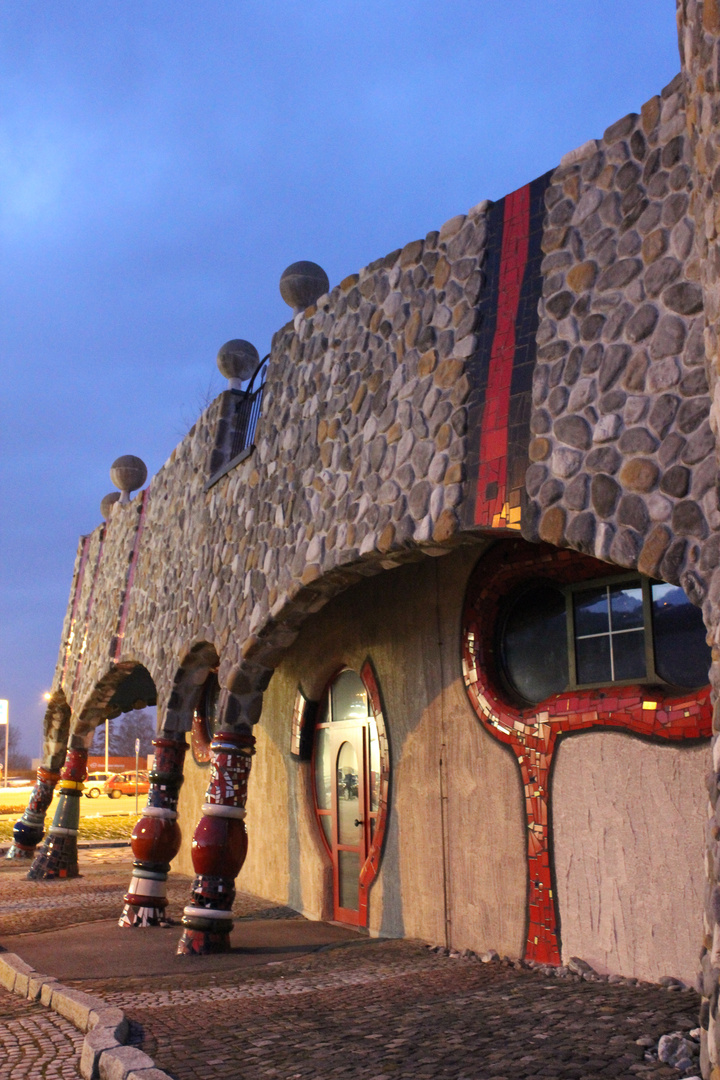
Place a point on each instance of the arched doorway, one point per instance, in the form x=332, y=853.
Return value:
x=351, y=769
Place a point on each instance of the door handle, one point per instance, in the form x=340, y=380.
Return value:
x=359, y=821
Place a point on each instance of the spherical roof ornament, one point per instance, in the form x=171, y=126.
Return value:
x=108, y=502
x=237, y=361
x=128, y=473
x=301, y=285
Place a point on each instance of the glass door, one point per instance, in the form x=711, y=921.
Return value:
x=350, y=820
x=347, y=789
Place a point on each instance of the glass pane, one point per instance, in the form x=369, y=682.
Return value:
x=629, y=655
x=349, y=697
x=326, y=822
x=348, y=795
x=323, y=771
x=591, y=612
x=626, y=606
x=682, y=656
x=349, y=879
x=534, y=644
x=374, y=765
x=592, y=657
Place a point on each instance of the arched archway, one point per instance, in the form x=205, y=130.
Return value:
x=156, y=837
x=28, y=831
x=126, y=686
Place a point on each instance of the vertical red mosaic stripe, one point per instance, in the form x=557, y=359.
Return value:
x=88, y=614
x=76, y=601
x=130, y=579
x=492, y=473
x=533, y=733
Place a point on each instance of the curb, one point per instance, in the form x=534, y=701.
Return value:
x=105, y=1055
x=85, y=845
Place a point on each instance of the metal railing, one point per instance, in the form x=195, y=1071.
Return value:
x=247, y=410
x=234, y=445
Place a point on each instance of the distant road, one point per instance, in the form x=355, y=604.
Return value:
x=102, y=805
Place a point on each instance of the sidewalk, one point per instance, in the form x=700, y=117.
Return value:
x=297, y=1000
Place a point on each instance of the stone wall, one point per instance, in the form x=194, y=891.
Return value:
x=380, y=414
x=622, y=455
x=359, y=458
x=699, y=41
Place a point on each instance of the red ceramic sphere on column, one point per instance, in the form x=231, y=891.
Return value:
x=156, y=840
x=219, y=846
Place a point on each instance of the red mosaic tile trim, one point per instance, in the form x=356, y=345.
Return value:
x=492, y=472
x=88, y=614
x=76, y=601
x=533, y=733
x=125, y=605
x=371, y=865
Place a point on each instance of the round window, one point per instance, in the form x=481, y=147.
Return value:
x=533, y=643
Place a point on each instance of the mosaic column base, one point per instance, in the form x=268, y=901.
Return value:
x=30, y=829
x=155, y=841
x=219, y=847
x=58, y=857
x=156, y=838
x=207, y=920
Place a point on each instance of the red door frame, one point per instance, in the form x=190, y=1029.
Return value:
x=373, y=841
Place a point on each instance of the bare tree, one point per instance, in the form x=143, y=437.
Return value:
x=138, y=724
x=17, y=758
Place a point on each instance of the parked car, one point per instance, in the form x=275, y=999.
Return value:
x=95, y=783
x=124, y=784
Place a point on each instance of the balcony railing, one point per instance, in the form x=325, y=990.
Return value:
x=236, y=431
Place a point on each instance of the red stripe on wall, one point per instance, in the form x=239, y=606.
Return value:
x=130, y=579
x=76, y=600
x=88, y=615
x=491, y=501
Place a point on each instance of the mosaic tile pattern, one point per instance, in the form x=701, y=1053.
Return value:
x=533, y=733
x=88, y=614
x=76, y=591
x=117, y=643
x=501, y=369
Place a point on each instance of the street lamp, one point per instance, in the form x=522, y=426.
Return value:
x=5, y=719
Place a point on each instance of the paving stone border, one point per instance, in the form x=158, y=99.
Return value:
x=105, y=1055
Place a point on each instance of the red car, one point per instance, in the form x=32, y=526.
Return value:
x=124, y=784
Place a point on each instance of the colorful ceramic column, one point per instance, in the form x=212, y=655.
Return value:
x=29, y=830
x=219, y=846
x=156, y=837
x=57, y=858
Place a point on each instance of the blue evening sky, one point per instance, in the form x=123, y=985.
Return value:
x=162, y=163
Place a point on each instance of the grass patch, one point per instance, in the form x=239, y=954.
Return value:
x=114, y=827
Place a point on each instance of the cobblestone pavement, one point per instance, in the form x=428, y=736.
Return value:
x=387, y=1010
x=392, y=1010
x=35, y=1043
x=28, y=907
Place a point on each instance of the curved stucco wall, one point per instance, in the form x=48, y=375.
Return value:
x=408, y=624
x=628, y=828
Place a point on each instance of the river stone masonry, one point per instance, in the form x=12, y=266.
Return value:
x=623, y=462
x=359, y=463
x=699, y=42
